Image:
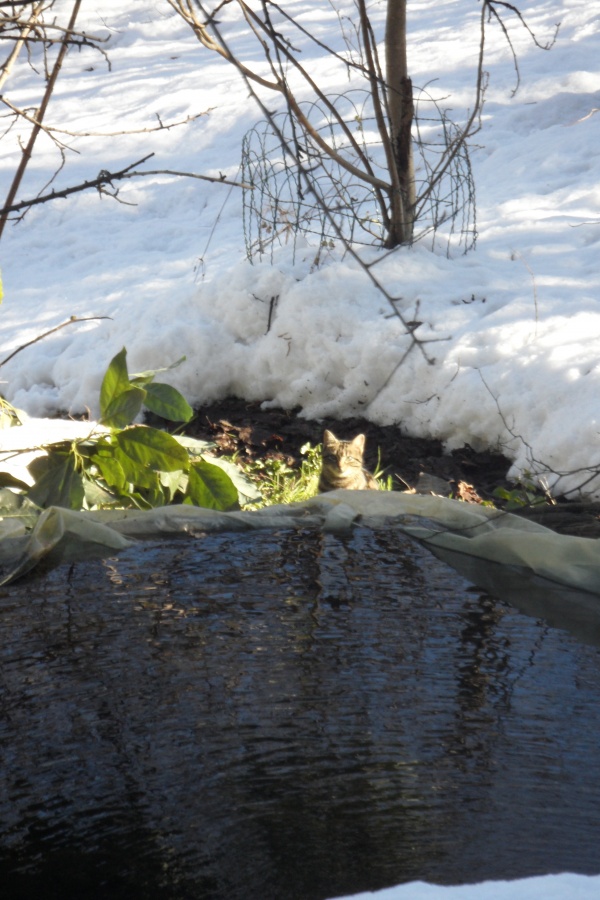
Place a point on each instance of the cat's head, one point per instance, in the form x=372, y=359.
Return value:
x=331, y=444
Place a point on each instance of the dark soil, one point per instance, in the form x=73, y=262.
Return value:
x=237, y=426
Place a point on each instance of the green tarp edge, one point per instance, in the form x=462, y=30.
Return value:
x=61, y=535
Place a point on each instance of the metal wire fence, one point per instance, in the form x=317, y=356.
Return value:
x=320, y=201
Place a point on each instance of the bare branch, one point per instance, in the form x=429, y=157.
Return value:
x=281, y=86
x=49, y=129
x=40, y=337
x=27, y=151
x=105, y=179
x=469, y=128
x=490, y=6
x=26, y=30
x=207, y=40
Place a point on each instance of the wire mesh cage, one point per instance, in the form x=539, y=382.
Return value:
x=300, y=188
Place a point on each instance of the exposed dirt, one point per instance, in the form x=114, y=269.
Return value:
x=240, y=427
x=237, y=426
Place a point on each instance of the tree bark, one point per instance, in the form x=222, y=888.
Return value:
x=401, y=114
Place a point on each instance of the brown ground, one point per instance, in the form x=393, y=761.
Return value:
x=237, y=426
x=254, y=433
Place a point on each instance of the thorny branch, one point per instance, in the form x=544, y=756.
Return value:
x=27, y=26
x=105, y=179
x=50, y=130
x=28, y=149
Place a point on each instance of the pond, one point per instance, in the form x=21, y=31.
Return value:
x=287, y=715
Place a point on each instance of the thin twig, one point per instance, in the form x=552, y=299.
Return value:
x=53, y=130
x=40, y=337
x=26, y=29
x=28, y=150
x=106, y=178
x=541, y=468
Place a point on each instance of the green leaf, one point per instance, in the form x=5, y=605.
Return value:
x=209, y=486
x=111, y=470
x=95, y=495
x=7, y=480
x=173, y=483
x=166, y=401
x=60, y=485
x=115, y=381
x=247, y=491
x=129, y=499
x=137, y=475
x=122, y=409
x=153, y=449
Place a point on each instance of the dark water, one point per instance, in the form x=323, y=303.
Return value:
x=286, y=717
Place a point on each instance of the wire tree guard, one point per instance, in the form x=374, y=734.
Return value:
x=279, y=209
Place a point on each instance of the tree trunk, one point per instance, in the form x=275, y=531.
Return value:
x=401, y=112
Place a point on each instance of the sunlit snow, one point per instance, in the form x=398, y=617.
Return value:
x=512, y=329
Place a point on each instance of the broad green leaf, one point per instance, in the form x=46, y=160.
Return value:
x=40, y=465
x=157, y=497
x=247, y=491
x=97, y=496
x=153, y=449
x=7, y=480
x=209, y=486
x=172, y=482
x=111, y=470
x=136, y=499
x=137, y=475
x=122, y=409
x=115, y=381
x=60, y=485
x=166, y=401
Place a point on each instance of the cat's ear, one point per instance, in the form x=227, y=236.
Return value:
x=329, y=438
x=359, y=443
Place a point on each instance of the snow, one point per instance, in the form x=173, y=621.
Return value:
x=549, y=887
x=512, y=358
x=511, y=330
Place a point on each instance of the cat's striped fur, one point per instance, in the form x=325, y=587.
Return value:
x=342, y=465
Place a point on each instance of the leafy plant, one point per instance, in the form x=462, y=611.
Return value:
x=385, y=482
x=280, y=483
x=130, y=465
x=525, y=494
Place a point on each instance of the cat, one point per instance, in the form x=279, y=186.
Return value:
x=342, y=465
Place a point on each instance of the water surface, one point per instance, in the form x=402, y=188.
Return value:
x=287, y=716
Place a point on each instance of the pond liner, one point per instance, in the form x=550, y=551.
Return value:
x=445, y=526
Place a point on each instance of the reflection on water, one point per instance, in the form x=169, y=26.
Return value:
x=286, y=715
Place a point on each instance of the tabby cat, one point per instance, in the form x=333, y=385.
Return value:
x=343, y=465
